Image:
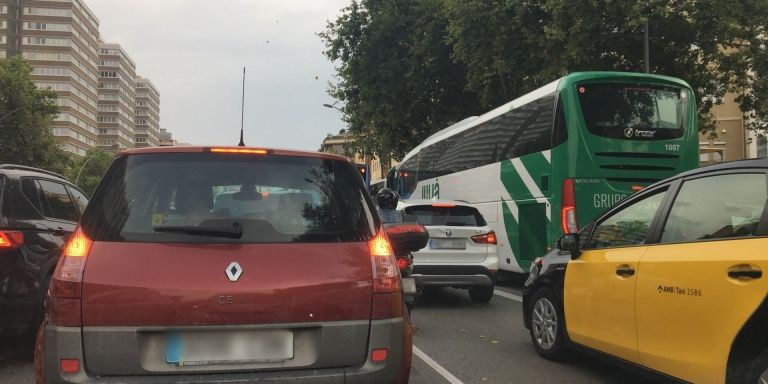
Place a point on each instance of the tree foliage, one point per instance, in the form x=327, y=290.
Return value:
x=86, y=172
x=26, y=113
x=409, y=68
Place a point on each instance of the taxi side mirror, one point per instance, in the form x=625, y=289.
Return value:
x=570, y=243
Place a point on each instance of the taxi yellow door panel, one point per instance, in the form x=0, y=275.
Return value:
x=699, y=286
x=689, y=310
x=599, y=302
x=599, y=294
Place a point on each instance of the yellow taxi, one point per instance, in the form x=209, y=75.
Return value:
x=668, y=282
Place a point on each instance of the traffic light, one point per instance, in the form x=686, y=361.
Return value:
x=363, y=169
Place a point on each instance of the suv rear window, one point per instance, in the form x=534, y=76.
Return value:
x=272, y=199
x=458, y=216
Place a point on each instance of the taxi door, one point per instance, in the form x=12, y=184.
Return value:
x=698, y=286
x=599, y=294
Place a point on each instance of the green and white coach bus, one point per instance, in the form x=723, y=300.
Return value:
x=551, y=160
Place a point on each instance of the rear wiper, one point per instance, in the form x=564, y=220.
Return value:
x=235, y=231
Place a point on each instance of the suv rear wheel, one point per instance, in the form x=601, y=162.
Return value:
x=481, y=294
x=546, y=319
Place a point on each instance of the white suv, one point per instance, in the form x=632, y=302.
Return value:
x=462, y=249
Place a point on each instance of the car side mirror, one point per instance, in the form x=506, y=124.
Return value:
x=570, y=243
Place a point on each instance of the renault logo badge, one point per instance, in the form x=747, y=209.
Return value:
x=448, y=232
x=629, y=132
x=234, y=271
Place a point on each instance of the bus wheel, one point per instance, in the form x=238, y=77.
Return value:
x=546, y=319
x=482, y=294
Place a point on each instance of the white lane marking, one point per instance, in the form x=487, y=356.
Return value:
x=437, y=367
x=508, y=295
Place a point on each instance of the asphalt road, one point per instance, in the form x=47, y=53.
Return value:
x=455, y=341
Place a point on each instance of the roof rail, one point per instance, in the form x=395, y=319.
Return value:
x=33, y=169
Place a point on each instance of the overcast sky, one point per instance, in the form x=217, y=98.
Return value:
x=194, y=52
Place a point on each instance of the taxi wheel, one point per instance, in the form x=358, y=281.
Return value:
x=546, y=319
x=481, y=294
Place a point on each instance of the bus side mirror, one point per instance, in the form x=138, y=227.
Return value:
x=570, y=243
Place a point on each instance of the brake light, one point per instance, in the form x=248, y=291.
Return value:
x=386, y=275
x=403, y=263
x=568, y=221
x=443, y=205
x=487, y=238
x=66, y=284
x=240, y=150
x=637, y=188
x=11, y=240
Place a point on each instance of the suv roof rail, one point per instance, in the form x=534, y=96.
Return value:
x=33, y=169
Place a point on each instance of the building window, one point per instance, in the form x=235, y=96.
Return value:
x=108, y=74
x=37, y=26
x=762, y=146
x=3, y=9
x=3, y=23
x=60, y=12
x=34, y=40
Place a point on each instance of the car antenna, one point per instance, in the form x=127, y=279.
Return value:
x=242, y=112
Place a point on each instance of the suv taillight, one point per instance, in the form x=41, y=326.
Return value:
x=66, y=283
x=11, y=239
x=568, y=221
x=488, y=238
x=387, y=288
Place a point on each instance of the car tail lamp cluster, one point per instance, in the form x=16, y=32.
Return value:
x=568, y=221
x=387, y=295
x=11, y=239
x=386, y=275
x=488, y=238
x=66, y=284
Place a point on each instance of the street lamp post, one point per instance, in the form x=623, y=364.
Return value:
x=332, y=107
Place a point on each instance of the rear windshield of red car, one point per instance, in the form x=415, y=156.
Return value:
x=457, y=216
x=269, y=199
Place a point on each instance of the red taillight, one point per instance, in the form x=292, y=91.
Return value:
x=386, y=275
x=65, y=289
x=487, y=238
x=11, y=239
x=69, y=365
x=443, y=205
x=379, y=355
x=403, y=263
x=568, y=221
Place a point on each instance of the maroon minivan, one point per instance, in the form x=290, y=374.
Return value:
x=225, y=265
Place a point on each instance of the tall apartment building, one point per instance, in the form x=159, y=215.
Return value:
x=117, y=98
x=60, y=40
x=102, y=101
x=147, y=114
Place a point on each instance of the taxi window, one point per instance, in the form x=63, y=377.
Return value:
x=629, y=226
x=717, y=207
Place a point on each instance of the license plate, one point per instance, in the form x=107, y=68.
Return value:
x=223, y=347
x=447, y=244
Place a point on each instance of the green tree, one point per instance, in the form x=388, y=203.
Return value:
x=392, y=55
x=86, y=172
x=396, y=78
x=26, y=113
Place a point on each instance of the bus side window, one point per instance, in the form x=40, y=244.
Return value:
x=560, y=129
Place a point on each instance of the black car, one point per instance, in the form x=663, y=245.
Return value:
x=38, y=212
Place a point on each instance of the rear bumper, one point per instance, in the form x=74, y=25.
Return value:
x=67, y=343
x=453, y=275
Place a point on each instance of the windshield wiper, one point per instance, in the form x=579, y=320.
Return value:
x=232, y=232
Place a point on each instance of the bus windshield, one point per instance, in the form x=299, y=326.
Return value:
x=633, y=111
